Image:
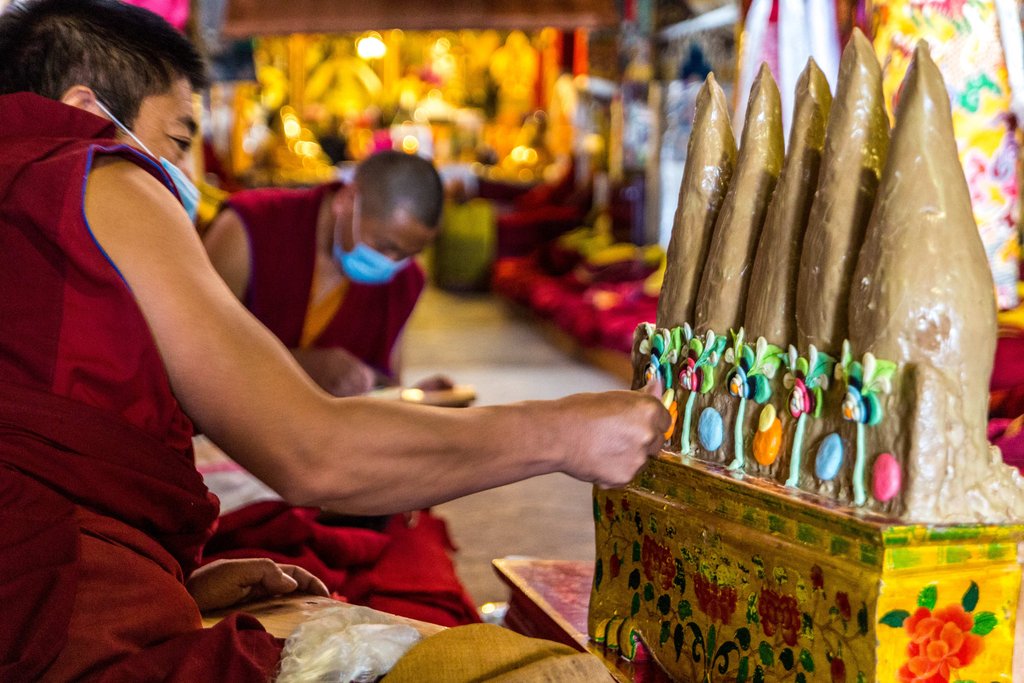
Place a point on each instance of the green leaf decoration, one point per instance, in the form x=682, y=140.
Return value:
x=665, y=604
x=758, y=675
x=970, y=599
x=762, y=389
x=984, y=622
x=786, y=657
x=719, y=344
x=712, y=636
x=928, y=596
x=649, y=591
x=680, y=578
x=743, y=671
x=875, y=408
x=766, y=653
x=806, y=661
x=666, y=632
x=895, y=618
x=708, y=382
x=677, y=338
x=823, y=367
x=634, y=608
x=747, y=354
x=697, y=346
x=752, y=616
x=743, y=637
x=800, y=678
x=807, y=623
x=678, y=640
x=597, y=511
x=884, y=371
x=598, y=573
x=862, y=620
x=685, y=610
x=818, y=401
x=636, y=552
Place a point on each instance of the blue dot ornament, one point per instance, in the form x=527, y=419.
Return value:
x=710, y=429
x=829, y=458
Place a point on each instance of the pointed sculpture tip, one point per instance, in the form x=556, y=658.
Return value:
x=764, y=92
x=858, y=38
x=924, y=78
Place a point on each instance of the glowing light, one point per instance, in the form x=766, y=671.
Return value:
x=488, y=608
x=523, y=155
x=370, y=46
x=292, y=128
x=410, y=145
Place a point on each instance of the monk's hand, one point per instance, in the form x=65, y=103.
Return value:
x=225, y=583
x=610, y=436
x=336, y=370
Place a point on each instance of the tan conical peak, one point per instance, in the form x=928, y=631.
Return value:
x=763, y=105
x=814, y=80
x=724, y=283
x=923, y=297
x=771, y=301
x=710, y=161
x=855, y=151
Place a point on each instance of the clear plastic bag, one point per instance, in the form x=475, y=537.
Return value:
x=345, y=645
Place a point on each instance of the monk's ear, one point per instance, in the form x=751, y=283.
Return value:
x=82, y=97
x=343, y=200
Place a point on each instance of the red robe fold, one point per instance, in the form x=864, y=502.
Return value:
x=281, y=226
x=102, y=512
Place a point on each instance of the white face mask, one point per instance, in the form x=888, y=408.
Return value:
x=187, y=190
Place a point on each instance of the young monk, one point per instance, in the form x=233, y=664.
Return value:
x=116, y=335
x=330, y=270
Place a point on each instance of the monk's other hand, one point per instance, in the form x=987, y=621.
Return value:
x=225, y=583
x=612, y=435
x=336, y=370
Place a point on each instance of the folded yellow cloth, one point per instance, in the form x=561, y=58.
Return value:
x=484, y=652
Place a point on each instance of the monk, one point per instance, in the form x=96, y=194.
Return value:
x=117, y=336
x=331, y=270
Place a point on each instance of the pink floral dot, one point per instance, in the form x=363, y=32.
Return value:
x=887, y=477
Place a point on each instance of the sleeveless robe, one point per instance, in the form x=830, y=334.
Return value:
x=102, y=513
x=281, y=226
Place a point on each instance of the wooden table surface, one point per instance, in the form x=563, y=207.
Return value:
x=549, y=599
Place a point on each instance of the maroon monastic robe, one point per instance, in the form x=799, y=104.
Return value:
x=281, y=226
x=102, y=513
x=401, y=569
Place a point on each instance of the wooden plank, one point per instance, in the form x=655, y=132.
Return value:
x=258, y=17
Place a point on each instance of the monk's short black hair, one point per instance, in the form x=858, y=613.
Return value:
x=124, y=53
x=388, y=181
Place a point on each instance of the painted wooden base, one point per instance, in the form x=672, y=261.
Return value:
x=726, y=578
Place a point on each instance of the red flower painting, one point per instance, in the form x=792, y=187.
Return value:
x=940, y=642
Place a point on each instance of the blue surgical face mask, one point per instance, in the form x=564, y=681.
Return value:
x=187, y=190
x=364, y=264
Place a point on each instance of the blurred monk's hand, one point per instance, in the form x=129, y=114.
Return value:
x=225, y=583
x=610, y=436
x=336, y=370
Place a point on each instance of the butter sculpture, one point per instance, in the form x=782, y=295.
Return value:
x=828, y=494
x=710, y=158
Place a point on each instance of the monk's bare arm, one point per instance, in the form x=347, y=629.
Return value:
x=364, y=456
x=227, y=245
